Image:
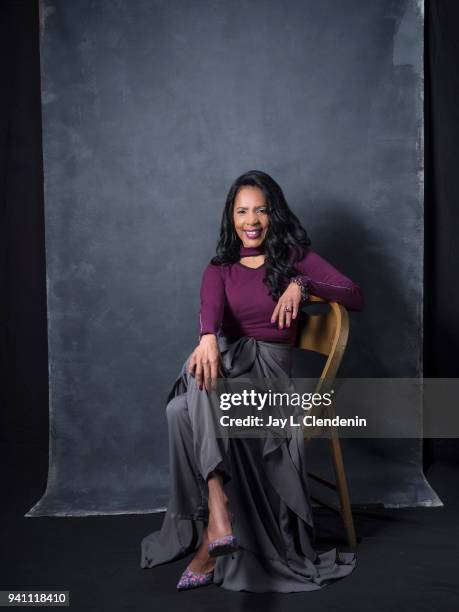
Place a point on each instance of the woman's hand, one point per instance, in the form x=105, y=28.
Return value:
x=290, y=299
x=205, y=362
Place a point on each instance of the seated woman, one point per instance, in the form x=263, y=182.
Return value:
x=242, y=504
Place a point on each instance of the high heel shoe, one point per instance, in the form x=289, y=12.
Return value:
x=194, y=580
x=224, y=545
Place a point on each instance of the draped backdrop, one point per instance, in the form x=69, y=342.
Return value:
x=150, y=110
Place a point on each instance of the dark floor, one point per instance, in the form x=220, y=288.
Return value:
x=407, y=559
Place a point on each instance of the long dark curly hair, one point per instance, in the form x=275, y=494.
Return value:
x=286, y=240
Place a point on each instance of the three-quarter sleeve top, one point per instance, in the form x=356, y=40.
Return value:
x=235, y=302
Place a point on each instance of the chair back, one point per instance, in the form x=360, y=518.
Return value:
x=324, y=328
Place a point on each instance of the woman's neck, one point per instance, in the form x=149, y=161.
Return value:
x=252, y=257
x=250, y=251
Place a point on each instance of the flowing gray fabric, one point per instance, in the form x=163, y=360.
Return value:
x=265, y=481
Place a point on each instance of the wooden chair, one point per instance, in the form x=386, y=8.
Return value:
x=324, y=328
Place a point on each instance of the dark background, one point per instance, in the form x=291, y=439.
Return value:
x=24, y=389
x=149, y=110
x=24, y=366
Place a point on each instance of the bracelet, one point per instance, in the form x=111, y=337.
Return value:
x=304, y=292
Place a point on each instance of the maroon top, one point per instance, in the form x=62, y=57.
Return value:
x=235, y=301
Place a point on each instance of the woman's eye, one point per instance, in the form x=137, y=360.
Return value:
x=262, y=211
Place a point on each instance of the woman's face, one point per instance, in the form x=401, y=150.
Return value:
x=250, y=216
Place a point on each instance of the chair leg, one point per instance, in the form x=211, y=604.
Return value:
x=343, y=491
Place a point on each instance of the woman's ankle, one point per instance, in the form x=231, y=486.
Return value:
x=219, y=516
x=219, y=525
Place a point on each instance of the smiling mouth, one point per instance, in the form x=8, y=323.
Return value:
x=253, y=234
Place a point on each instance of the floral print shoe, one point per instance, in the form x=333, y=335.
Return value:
x=194, y=580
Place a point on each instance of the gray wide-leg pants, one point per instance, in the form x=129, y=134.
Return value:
x=265, y=481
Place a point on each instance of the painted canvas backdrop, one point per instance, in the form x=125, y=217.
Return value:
x=150, y=110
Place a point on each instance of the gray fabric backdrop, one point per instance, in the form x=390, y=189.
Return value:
x=150, y=110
